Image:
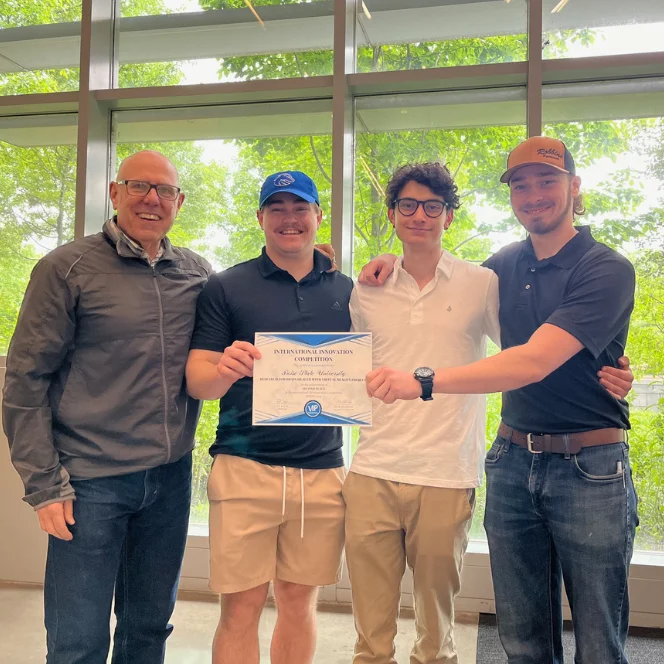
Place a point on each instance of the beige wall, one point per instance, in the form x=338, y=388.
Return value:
x=23, y=544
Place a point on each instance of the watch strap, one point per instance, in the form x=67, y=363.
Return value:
x=427, y=389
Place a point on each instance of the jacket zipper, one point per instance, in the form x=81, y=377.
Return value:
x=163, y=362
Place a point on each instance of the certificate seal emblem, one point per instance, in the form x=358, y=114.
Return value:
x=312, y=409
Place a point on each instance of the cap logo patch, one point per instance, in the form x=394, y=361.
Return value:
x=549, y=152
x=283, y=180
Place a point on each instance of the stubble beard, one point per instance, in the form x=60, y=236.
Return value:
x=537, y=229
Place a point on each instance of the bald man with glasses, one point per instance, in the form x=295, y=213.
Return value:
x=99, y=423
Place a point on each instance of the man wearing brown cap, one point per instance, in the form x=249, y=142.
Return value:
x=560, y=500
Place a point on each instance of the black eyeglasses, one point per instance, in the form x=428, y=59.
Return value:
x=408, y=207
x=139, y=188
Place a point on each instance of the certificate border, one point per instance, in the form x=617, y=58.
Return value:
x=312, y=340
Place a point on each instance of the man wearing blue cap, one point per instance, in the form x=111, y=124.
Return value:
x=262, y=477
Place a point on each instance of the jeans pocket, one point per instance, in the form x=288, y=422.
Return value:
x=495, y=451
x=604, y=463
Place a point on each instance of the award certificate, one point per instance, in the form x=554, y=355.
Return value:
x=312, y=379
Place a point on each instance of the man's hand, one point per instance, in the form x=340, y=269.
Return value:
x=54, y=518
x=388, y=385
x=237, y=361
x=328, y=250
x=377, y=270
x=618, y=382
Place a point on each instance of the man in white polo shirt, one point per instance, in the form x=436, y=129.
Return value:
x=410, y=493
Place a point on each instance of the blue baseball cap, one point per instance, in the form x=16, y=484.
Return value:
x=293, y=182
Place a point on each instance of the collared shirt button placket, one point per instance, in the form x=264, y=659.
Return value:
x=299, y=297
x=417, y=313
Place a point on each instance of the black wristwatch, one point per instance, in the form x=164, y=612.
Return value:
x=425, y=376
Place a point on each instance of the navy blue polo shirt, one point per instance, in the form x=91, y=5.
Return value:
x=257, y=296
x=586, y=289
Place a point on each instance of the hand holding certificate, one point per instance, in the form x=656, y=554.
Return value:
x=312, y=379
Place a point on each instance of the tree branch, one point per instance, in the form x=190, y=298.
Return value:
x=299, y=66
x=472, y=237
x=320, y=166
x=362, y=234
x=20, y=255
x=465, y=154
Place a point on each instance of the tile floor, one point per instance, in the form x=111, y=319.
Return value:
x=22, y=640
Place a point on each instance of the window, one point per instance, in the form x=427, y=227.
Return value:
x=36, y=209
x=621, y=164
x=470, y=131
x=595, y=27
x=419, y=34
x=223, y=154
x=224, y=40
x=39, y=46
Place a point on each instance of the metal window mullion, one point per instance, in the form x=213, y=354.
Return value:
x=343, y=138
x=534, y=89
x=343, y=134
x=97, y=66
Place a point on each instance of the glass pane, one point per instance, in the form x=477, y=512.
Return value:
x=621, y=163
x=39, y=46
x=472, y=133
x=421, y=34
x=223, y=155
x=596, y=27
x=37, y=192
x=224, y=40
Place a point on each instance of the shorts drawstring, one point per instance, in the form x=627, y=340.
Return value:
x=283, y=498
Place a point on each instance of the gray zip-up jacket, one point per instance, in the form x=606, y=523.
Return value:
x=95, y=370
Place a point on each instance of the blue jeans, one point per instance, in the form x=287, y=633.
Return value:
x=129, y=540
x=550, y=519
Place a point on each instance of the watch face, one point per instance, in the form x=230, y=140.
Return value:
x=423, y=372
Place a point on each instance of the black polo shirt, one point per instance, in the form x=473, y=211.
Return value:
x=257, y=296
x=587, y=290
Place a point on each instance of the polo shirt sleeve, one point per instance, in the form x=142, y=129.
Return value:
x=598, y=302
x=492, y=263
x=213, y=329
x=357, y=321
x=491, y=321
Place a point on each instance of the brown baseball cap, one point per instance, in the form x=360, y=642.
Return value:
x=539, y=150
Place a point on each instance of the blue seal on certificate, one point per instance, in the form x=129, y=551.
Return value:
x=312, y=408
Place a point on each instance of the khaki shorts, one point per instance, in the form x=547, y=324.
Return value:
x=261, y=529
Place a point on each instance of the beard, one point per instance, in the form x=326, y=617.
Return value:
x=537, y=226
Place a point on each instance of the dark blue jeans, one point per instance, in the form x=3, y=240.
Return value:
x=129, y=540
x=550, y=519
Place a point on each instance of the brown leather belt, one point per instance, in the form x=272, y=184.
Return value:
x=571, y=443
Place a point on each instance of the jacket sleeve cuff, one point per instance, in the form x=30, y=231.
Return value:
x=56, y=494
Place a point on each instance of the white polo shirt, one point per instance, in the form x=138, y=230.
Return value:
x=431, y=443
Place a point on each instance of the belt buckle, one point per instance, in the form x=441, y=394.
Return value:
x=529, y=439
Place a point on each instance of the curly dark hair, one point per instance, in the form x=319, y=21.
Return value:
x=431, y=174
